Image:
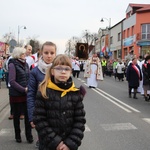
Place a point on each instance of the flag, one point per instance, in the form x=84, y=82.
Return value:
x=103, y=49
x=107, y=49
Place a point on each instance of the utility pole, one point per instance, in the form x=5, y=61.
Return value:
x=19, y=27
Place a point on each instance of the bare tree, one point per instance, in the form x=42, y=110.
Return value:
x=71, y=46
x=35, y=45
x=8, y=36
x=87, y=37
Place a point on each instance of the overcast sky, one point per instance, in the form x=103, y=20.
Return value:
x=59, y=20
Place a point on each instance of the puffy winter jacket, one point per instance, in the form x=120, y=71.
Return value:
x=36, y=76
x=21, y=78
x=59, y=119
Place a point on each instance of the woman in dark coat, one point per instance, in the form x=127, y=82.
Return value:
x=18, y=79
x=146, y=76
x=133, y=76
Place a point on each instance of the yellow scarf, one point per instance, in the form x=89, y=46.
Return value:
x=64, y=92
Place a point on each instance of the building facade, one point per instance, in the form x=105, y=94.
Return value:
x=130, y=34
x=136, y=30
x=116, y=39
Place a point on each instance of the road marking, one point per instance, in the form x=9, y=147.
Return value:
x=118, y=127
x=5, y=132
x=80, y=80
x=125, y=109
x=10, y=131
x=147, y=120
x=87, y=129
x=119, y=101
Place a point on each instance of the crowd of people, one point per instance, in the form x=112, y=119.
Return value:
x=42, y=90
x=38, y=84
x=135, y=70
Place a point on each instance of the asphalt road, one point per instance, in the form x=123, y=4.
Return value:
x=114, y=121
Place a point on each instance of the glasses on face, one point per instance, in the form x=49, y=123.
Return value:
x=60, y=69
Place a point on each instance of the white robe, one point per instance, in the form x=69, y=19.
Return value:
x=92, y=80
x=140, y=88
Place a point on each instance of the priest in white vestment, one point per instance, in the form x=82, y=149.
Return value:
x=93, y=71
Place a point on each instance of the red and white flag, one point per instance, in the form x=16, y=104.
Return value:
x=103, y=49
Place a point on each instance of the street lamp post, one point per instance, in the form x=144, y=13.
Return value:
x=87, y=40
x=109, y=21
x=19, y=27
x=100, y=45
x=95, y=38
x=69, y=42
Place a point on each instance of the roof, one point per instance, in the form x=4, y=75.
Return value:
x=138, y=5
x=142, y=7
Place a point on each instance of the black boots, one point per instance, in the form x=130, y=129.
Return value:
x=147, y=98
x=18, y=137
x=130, y=93
x=18, y=140
x=135, y=96
x=30, y=140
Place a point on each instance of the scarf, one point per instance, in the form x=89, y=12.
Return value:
x=22, y=60
x=42, y=66
x=64, y=91
x=136, y=69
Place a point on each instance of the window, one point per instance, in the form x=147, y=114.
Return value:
x=111, y=40
x=146, y=31
x=124, y=34
x=129, y=14
x=128, y=32
x=132, y=31
x=119, y=36
x=125, y=52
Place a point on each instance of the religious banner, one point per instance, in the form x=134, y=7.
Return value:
x=82, y=51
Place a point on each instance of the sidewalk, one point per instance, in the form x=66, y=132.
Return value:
x=4, y=97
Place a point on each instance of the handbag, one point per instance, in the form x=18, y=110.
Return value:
x=123, y=69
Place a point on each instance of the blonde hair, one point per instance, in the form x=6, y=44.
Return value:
x=18, y=51
x=60, y=59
